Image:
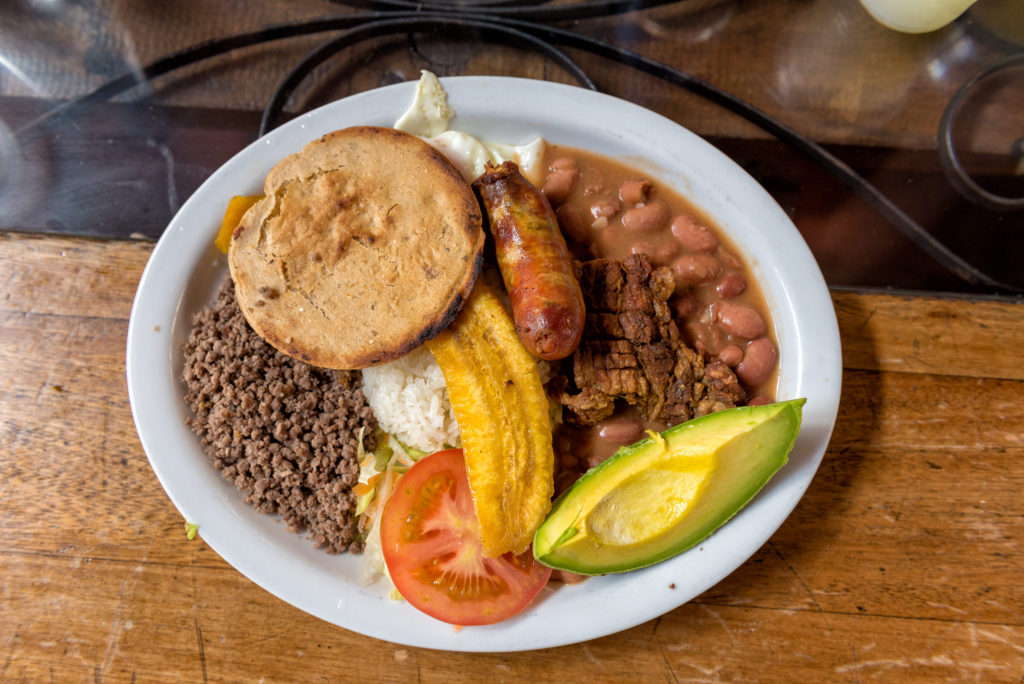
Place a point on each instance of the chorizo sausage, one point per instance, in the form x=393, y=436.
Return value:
x=547, y=304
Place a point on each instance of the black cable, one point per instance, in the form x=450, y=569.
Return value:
x=588, y=9
x=842, y=171
x=198, y=53
x=380, y=27
x=955, y=172
x=906, y=225
x=218, y=46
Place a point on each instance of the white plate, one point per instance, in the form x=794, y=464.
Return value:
x=185, y=270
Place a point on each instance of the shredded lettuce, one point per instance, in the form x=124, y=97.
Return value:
x=382, y=456
x=411, y=452
x=364, y=501
x=373, y=566
x=379, y=472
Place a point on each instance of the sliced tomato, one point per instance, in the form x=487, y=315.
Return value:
x=433, y=552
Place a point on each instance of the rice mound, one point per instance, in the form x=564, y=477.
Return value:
x=409, y=398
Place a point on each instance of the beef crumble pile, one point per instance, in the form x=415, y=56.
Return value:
x=283, y=432
x=632, y=350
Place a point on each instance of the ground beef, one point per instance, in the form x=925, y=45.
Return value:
x=283, y=432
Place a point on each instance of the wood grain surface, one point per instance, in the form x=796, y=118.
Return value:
x=902, y=563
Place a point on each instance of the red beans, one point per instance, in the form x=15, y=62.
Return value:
x=559, y=184
x=731, y=355
x=604, y=209
x=665, y=252
x=732, y=284
x=634, y=191
x=739, y=320
x=758, y=361
x=611, y=211
x=623, y=430
x=695, y=269
x=692, y=235
x=643, y=247
x=646, y=218
x=685, y=305
x=706, y=337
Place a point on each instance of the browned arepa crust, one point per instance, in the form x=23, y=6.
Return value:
x=366, y=244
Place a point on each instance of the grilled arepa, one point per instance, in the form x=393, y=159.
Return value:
x=365, y=245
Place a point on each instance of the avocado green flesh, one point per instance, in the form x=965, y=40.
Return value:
x=656, y=498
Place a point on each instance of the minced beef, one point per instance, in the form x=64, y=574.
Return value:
x=283, y=432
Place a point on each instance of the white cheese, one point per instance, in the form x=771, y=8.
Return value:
x=428, y=117
x=429, y=112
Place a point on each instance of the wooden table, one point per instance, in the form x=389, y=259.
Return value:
x=903, y=562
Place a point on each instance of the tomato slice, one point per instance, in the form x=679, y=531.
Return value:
x=433, y=551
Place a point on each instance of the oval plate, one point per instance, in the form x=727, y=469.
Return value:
x=185, y=270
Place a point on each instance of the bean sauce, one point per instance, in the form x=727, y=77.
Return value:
x=580, y=449
x=607, y=209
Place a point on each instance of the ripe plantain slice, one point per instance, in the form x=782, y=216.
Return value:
x=502, y=410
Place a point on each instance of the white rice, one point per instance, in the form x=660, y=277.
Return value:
x=410, y=400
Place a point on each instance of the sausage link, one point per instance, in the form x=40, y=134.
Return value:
x=547, y=304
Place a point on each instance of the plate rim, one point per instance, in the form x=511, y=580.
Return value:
x=240, y=171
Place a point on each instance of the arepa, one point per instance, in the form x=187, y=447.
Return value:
x=366, y=244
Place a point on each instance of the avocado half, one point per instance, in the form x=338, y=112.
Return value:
x=657, y=498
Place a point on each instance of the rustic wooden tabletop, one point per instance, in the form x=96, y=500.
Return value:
x=902, y=562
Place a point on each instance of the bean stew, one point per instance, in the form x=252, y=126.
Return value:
x=607, y=209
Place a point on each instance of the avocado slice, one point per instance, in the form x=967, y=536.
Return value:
x=654, y=499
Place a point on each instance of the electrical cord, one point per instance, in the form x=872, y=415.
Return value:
x=379, y=27
x=588, y=9
x=498, y=20
x=951, y=165
x=193, y=55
